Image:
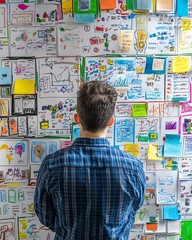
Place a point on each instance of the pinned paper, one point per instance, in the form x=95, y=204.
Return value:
x=133, y=149
x=126, y=40
x=139, y=110
x=108, y=4
x=181, y=64
x=165, y=5
x=66, y=6
x=24, y=86
x=152, y=153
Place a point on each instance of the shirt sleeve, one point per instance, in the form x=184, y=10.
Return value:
x=139, y=190
x=42, y=200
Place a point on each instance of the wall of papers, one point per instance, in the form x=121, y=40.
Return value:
x=143, y=49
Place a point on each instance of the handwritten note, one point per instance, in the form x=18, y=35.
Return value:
x=133, y=149
x=139, y=110
x=126, y=43
x=181, y=64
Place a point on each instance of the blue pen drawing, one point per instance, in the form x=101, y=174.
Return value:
x=124, y=131
x=165, y=197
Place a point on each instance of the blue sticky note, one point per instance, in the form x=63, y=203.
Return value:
x=155, y=65
x=143, y=4
x=5, y=75
x=172, y=145
x=84, y=18
x=171, y=213
x=182, y=8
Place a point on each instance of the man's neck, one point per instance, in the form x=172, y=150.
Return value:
x=87, y=134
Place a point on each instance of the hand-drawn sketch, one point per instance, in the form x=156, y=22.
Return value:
x=40, y=148
x=166, y=187
x=31, y=228
x=146, y=130
x=13, y=152
x=59, y=77
x=124, y=130
x=46, y=13
x=56, y=116
x=22, y=13
x=33, y=41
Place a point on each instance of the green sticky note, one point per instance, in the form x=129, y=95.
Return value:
x=129, y=4
x=139, y=110
x=186, y=230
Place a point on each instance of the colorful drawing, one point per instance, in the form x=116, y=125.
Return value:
x=13, y=152
x=56, y=116
x=33, y=41
x=30, y=227
x=40, y=148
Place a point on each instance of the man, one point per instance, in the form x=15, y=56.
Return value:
x=90, y=191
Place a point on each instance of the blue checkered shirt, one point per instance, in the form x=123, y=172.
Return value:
x=89, y=191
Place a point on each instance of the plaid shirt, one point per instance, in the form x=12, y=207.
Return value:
x=89, y=191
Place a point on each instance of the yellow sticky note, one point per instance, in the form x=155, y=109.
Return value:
x=181, y=64
x=152, y=153
x=126, y=40
x=186, y=24
x=133, y=149
x=139, y=110
x=24, y=86
x=66, y=6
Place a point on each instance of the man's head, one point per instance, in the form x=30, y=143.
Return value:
x=95, y=105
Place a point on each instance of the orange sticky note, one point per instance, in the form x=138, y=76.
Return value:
x=108, y=4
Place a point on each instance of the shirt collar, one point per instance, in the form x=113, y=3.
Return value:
x=92, y=141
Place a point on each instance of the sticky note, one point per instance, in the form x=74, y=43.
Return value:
x=126, y=40
x=181, y=64
x=182, y=8
x=171, y=213
x=186, y=24
x=186, y=230
x=84, y=18
x=143, y=4
x=66, y=6
x=44, y=125
x=165, y=6
x=108, y=4
x=24, y=86
x=172, y=145
x=152, y=153
x=139, y=110
x=133, y=149
x=5, y=75
x=129, y=4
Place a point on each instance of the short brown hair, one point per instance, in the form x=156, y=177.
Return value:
x=95, y=105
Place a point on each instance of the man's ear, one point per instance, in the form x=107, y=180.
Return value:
x=111, y=121
x=76, y=118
